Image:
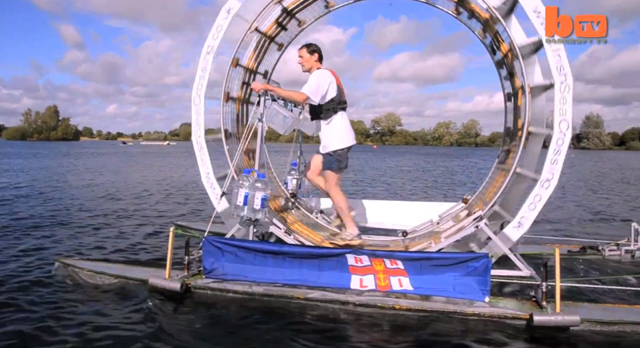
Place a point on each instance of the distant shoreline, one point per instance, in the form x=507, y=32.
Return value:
x=383, y=130
x=130, y=139
x=495, y=146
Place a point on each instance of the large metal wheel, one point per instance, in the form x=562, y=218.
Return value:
x=517, y=187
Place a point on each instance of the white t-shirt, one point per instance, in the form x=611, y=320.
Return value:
x=335, y=133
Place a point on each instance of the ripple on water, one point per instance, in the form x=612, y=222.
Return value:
x=101, y=200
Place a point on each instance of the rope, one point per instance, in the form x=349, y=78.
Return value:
x=572, y=239
x=603, y=223
x=586, y=278
x=609, y=287
x=206, y=232
x=295, y=140
x=605, y=277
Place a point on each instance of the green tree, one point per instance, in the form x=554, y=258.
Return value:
x=593, y=133
x=155, y=136
x=65, y=131
x=361, y=131
x=483, y=141
x=615, y=138
x=47, y=125
x=633, y=146
x=402, y=137
x=108, y=136
x=88, y=132
x=184, y=133
x=495, y=138
x=444, y=133
x=2, y=129
x=469, y=133
x=16, y=133
x=271, y=136
x=385, y=126
x=630, y=139
x=422, y=137
x=629, y=136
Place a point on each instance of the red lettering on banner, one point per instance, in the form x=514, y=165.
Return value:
x=381, y=274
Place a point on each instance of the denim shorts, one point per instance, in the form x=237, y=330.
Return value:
x=336, y=161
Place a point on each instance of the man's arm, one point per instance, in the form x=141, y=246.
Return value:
x=288, y=95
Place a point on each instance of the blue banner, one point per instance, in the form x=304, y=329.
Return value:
x=445, y=274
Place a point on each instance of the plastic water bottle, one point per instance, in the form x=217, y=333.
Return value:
x=242, y=193
x=292, y=182
x=304, y=188
x=306, y=193
x=260, y=190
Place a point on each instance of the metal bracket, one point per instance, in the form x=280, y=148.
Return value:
x=280, y=230
x=237, y=228
x=524, y=270
x=628, y=247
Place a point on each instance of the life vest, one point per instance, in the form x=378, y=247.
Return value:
x=332, y=106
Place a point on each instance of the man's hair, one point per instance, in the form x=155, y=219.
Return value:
x=313, y=49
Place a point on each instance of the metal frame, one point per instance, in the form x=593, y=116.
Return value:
x=524, y=269
x=619, y=249
x=502, y=29
x=243, y=224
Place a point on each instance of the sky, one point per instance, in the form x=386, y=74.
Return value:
x=129, y=65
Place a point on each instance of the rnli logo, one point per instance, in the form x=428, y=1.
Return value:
x=377, y=274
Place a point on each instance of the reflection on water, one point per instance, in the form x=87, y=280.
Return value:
x=102, y=200
x=232, y=321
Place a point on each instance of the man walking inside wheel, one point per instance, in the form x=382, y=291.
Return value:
x=324, y=96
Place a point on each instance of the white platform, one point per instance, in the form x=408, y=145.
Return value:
x=397, y=215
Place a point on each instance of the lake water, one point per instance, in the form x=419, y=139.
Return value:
x=102, y=200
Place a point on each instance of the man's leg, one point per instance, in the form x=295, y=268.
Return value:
x=333, y=165
x=314, y=173
x=332, y=182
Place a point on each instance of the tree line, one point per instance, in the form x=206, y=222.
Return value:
x=386, y=129
x=593, y=135
x=182, y=133
x=49, y=125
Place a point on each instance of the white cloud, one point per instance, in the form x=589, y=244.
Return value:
x=384, y=33
x=420, y=68
x=333, y=41
x=608, y=82
x=437, y=63
x=166, y=15
x=603, y=65
x=55, y=6
x=620, y=11
x=70, y=36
